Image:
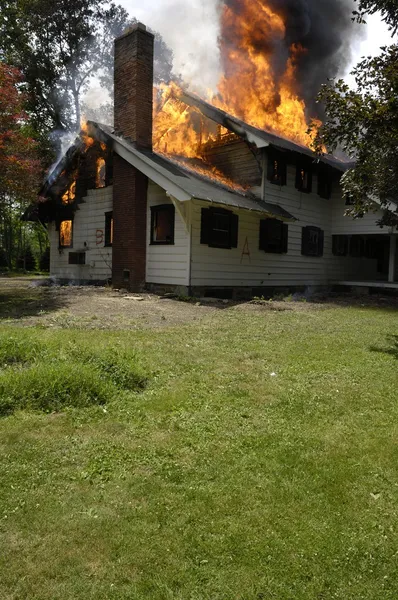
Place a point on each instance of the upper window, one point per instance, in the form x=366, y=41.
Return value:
x=312, y=241
x=277, y=168
x=324, y=181
x=65, y=234
x=108, y=229
x=101, y=173
x=304, y=177
x=162, y=224
x=273, y=236
x=219, y=228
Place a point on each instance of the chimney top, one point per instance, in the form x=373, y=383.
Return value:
x=132, y=29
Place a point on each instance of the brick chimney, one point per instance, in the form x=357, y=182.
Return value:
x=133, y=120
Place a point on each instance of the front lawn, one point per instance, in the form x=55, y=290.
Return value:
x=252, y=455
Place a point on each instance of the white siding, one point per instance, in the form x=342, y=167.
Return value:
x=342, y=225
x=168, y=264
x=218, y=267
x=89, y=222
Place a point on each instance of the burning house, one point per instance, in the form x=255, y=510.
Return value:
x=183, y=194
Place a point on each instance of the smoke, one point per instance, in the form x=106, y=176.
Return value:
x=322, y=28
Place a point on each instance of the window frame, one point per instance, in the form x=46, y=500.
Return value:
x=208, y=215
x=167, y=208
x=109, y=229
x=78, y=261
x=307, y=231
x=61, y=246
x=265, y=225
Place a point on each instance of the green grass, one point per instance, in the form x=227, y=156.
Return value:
x=260, y=461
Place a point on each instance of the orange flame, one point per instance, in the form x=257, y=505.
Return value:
x=70, y=194
x=248, y=90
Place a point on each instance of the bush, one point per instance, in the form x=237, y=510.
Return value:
x=44, y=263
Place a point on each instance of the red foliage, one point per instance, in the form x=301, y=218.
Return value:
x=19, y=165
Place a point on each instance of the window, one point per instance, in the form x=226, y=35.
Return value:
x=219, y=228
x=65, y=234
x=324, y=181
x=273, y=236
x=77, y=258
x=312, y=241
x=108, y=229
x=357, y=246
x=277, y=168
x=304, y=177
x=340, y=245
x=162, y=224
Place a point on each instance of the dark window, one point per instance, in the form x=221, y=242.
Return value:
x=324, y=181
x=77, y=258
x=162, y=224
x=340, y=245
x=349, y=200
x=277, y=168
x=108, y=229
x=274, y=236
x=357, y=246
x=219, y=228
x=312, y=241
x=304, y=177
x=66, y=234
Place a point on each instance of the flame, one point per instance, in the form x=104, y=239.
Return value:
x=70, y=194
x=65, y=234
x=251, y=88
x=101, y=170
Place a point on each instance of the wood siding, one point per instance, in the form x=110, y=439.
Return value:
x=218, y=267
x=167, y=264
x=342, y=225
x=88, y=230
x=235, y=159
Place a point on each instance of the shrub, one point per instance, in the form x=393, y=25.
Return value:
x=26, y=260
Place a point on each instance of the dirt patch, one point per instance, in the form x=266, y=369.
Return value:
x=26, y=302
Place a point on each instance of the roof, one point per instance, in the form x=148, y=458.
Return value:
x=258, y=137
x=180, y=182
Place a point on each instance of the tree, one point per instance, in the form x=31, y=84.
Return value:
x=62, y=46
x=20, y=168
x=364, y=123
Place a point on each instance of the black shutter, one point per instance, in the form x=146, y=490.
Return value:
x=321, y=242
x=285, y=238
x=305, y=241
x=271, y=160
x=263, y=235
x=205, y=229
x=234, y=230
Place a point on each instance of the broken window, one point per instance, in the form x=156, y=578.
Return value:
x=277, y=168
x=101, y=173
x=274, y=236
x=324, y=181
x=312, y=241
x=219, y=228
x=109, y=228
x=70, y=194
x=304, y=177
x=65, y=234
x=162, y=224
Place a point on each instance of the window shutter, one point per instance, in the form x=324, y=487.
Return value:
x=234, y=230
x=305, y=240
x=321, y=242
x=271, y=160
x=205, y=228
x=263, y=235
x=285, y=238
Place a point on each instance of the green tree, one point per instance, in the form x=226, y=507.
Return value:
x=364, y=123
